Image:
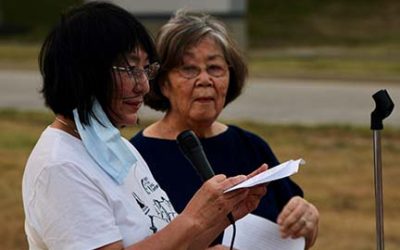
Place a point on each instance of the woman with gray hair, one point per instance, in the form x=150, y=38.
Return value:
x=202, y=71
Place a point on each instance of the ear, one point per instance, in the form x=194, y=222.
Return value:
x=165, y=88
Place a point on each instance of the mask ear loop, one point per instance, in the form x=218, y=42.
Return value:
x=116, y=75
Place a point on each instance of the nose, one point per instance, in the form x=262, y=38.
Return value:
x=204, y=79
x=141, y=84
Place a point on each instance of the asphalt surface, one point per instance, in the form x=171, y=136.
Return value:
x=278, y=101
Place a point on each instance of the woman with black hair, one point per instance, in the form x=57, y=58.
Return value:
x=86, y=187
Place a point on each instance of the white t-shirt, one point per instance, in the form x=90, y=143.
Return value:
x=71, y=203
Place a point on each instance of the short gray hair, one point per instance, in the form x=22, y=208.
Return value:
x=183, y=31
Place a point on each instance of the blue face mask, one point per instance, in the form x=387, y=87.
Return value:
x=105, y=145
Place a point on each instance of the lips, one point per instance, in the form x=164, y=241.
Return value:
x=132, y=102
x=204, y=99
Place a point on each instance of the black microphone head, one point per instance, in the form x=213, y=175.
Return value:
x=191, y=148
x=187, y=141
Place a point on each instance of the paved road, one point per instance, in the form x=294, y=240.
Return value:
x=265, y=100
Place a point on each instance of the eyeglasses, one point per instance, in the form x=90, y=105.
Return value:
x=150, y=71
x=191, y=71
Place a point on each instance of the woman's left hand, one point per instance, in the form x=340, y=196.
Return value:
x=299, y=218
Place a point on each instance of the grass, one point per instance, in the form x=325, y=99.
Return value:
x=340, y=39
x=338, y=176
x=330, y=22
x=23, y=56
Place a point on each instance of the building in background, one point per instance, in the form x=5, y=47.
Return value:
x=154, y=13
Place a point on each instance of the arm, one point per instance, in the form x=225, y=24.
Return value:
x=65, y=191
x=200, y=222
x=203, y=218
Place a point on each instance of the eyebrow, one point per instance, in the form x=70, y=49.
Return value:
x=212, y=57
x=209, y=57
x=132, y=57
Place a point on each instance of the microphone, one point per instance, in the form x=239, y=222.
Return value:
x=191, y=148
x=193, y=151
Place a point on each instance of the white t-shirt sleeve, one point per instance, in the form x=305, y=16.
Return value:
x=71, y=211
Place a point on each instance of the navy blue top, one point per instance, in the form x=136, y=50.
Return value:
x=232, y=152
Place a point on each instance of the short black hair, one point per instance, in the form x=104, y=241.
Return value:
x=77, y=56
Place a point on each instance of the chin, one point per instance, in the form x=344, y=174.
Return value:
x=132, y=121
x=128, y=121
x=205, y=118
x=206, y=115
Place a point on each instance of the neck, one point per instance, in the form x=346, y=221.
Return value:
x=65, y=124
x=169, y=128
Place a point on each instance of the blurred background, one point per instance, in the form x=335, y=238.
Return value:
x=311, y=62
x=286, y=38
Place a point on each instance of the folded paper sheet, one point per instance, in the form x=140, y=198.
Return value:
x=256, y=233
x=283, y=170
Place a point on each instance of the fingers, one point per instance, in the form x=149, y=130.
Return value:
x=250, y=202
x=290, y=212
x=229, y=182
x=298, y=218
x=241, y=201
x=212, y=192
x=210, y=204
x=219, y=183
x=290, y=219
x=261, y=169
x=257, y=192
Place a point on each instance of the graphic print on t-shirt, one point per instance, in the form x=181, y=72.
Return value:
x=148, y=186
x=161, y=208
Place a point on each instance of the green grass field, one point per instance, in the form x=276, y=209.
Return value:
x=337, y=178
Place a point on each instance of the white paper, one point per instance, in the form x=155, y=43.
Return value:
x=256, y=233
x=283, y=170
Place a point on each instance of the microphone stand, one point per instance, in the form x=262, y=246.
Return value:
x=383, y=108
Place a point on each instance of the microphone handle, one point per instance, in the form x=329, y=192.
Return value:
x=193, y=151
x=201, y=164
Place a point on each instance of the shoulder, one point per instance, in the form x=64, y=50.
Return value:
x=137, y=137
x=56, y=148
x=254, y=143
x=140, y=141
x=246, y=135
x=133, y=148
x=148, y=146
x=60, y=159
